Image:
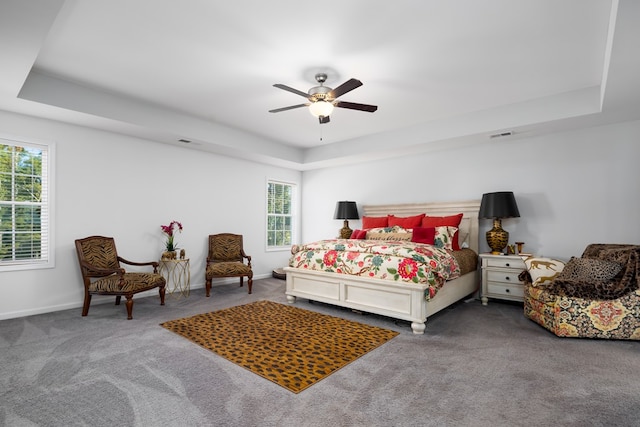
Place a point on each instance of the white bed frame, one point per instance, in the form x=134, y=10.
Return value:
x=385, y=297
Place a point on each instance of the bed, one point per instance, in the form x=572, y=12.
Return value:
x=404, y=300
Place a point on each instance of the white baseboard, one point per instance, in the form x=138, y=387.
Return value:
x=97, y=299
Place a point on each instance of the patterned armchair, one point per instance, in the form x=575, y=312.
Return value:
x=226, y=259
x=595, y=296
x=102, y=274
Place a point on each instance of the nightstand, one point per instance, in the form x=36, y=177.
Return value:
x=500, y=277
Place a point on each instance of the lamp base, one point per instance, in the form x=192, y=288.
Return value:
x=345, y=232
x=497, y=238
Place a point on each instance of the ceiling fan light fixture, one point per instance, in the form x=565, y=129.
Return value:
x=321, y=108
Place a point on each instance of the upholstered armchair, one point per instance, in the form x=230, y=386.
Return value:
x=103, y=275
x=226, y=259
x=594, y=296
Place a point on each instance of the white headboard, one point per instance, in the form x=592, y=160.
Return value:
x=469, y=209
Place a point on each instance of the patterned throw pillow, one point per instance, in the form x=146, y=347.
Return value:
x=444, y=237
x=389, y=233
x=543, y=270
x=590, y=270
x=404, y=237
x=387, y=230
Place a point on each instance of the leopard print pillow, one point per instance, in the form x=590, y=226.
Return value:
x=589, y=270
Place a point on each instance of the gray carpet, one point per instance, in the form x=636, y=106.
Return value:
x=475, y=366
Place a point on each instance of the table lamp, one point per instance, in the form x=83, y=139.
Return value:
x=346, y=210
x=497, y=206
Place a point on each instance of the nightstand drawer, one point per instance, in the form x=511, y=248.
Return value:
x=506, y=276
x=505, y=263
x=506, y=290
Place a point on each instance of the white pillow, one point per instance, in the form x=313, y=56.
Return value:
x=543, y=270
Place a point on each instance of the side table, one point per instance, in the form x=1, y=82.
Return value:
x=177, y=273
x=500, y=277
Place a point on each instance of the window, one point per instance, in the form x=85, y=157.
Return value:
x=280, y=198
x=25, y=205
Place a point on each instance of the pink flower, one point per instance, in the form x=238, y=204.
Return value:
x=168, y=230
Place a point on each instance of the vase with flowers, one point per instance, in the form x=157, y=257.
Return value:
x=170, y=245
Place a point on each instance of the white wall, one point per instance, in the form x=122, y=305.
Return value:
x=572, y=188
x=124, y=187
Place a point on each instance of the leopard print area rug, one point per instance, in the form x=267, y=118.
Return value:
x=293, y=347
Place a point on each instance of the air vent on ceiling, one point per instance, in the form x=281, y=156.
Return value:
x=500, y=135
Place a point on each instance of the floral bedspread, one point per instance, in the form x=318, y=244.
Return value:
x=399, y=261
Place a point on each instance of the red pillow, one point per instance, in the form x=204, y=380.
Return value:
x=405, y=222
x=359, y=234
x=451, y=221
x=374, y=222
x=424, y=235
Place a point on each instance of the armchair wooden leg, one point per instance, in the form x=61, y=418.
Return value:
x=87, y=302
x=161, y=291
x=129, y=305
x=118, y=300
x=241, y=281
x=208, y=287
x=250, y=283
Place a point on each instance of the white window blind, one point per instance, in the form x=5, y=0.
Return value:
x=280, y=215
x=25, y=205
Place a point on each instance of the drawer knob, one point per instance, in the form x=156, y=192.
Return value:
x=507, y=278
x=508, y=265
x=507, y=290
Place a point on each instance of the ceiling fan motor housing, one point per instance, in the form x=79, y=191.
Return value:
x=319, y=93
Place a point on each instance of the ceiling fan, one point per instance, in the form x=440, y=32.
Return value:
x=322, y=98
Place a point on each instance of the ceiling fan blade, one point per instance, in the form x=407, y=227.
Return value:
x=277, y=110
x=323, y=119
x=292, y=90
x=345, y=87
x=354, y=106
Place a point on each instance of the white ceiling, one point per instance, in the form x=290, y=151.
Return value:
x=442, y=72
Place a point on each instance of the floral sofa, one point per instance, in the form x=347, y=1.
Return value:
x=594, y=296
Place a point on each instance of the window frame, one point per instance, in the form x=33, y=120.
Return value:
x=292, y=215
x=47, y=204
